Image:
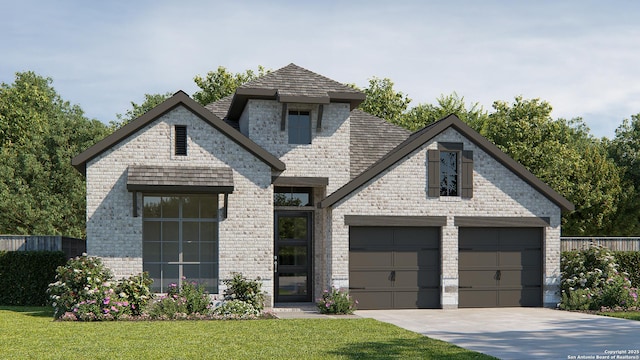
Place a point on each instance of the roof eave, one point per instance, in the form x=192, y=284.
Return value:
x=179, y=98
x=405, y=149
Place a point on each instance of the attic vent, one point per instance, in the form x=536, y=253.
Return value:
x=181, y=140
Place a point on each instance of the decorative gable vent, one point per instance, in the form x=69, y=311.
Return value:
x=181, y=140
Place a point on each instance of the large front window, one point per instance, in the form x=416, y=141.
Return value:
x=180, y=240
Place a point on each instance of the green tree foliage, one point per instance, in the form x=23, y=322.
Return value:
x=425, y=114
x=564, y=155
x=383, y=101
x=40, y=192
x=624, y=149
x=220, y=83
x=150, y=101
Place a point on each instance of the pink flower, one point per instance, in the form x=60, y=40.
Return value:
x=106, y=300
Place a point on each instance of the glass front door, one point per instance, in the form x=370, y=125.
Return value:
x=292, y=260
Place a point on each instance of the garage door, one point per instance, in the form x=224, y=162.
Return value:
x=500, y=267
x=395, y=267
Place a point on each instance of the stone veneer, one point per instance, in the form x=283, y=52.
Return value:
x=402, y=190
x=116, y=236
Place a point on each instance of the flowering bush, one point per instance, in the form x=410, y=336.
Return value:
x=136, y=291
x=236, y=309
x=243, y=289
x=85, y=291
x=181, y=302
x=590, y=281
x=81, y=279
x=336, y=302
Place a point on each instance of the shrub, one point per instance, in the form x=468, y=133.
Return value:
x=181, y=302
x=336, y=302
x=85, y=291
x=591, y=280
x=136, y=291
x=25, y=275
x=629, y=262
x=243, y=289
x=82, y=279
x=236, y=309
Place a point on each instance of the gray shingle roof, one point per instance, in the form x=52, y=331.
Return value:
x=180, y=176
x=371, y=138
x=220, y=107
x=293, y=80
x=293, y=84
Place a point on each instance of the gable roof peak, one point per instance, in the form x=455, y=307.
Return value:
x=426, y=134
x=180, y=98
x=294, y=84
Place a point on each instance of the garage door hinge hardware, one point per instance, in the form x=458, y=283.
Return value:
x=356, y=288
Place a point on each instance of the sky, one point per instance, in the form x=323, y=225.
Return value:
x=583, y=57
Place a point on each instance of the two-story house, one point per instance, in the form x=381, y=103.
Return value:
x=287, y=181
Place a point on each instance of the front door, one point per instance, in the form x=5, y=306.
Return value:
x=292, y=259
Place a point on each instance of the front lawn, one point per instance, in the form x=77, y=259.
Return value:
x=630, y=315
x=31, y=333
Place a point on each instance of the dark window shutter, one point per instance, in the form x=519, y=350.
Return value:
x=181, y=140
x=467, y=174
x=283, y=119
x=434, y=173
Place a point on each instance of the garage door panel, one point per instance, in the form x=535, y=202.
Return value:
x=468, y=238
x=519, y=278
x=373, y=300
x=477, y=298
x=423, y=237
x=478, y=259
x=373, y=258
x=417, y=257
x=529, y=237
x=416, y=278
x=412, y=299
x=370, y=279
x=519, y=297
x=478, y=278
x=363, y=237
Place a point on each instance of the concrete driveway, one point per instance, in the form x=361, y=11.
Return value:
x=522, y=333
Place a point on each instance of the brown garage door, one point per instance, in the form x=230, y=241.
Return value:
x=500, y=267
x=395, y=267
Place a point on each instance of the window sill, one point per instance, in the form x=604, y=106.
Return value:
x=294, y=208
x=450, y=198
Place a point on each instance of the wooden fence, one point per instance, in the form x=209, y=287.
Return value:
x=72, y=247
x=613, y=243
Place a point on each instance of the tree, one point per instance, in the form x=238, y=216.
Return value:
x=425, y=114
x=564, y=155
x=383, y=101
x=150, y=101
x=221, y=83
x=40, y=192
x=624, y=149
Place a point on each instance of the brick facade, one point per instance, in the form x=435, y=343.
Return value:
x=246, y=235
x=116, y=236
x=402, y=190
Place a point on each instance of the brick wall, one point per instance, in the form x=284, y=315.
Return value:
x=402, y=190
x=116, y=236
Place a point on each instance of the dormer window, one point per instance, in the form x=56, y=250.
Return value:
x=299, y=127
x=181, y=140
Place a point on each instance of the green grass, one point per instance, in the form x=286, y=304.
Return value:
x=31, y=333
x=629, y=315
